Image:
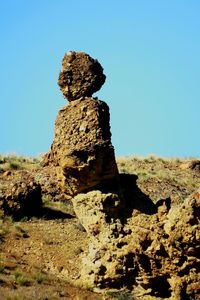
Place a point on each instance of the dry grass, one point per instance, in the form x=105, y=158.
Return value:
x=3, y=230
x=8, y=226
x=35, y=243
x=156, y=167
x=161, y=177
x=14, y=162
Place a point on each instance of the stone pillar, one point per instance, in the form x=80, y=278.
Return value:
x=82, y=151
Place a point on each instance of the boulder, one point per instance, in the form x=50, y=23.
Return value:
x=81, y=76
x=103, y=265
x=166, y=250
x=156, y=254
x=20, y=194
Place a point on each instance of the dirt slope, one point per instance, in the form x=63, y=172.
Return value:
x=40, y=256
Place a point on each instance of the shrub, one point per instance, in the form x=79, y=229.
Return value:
x=40, y=277
x=22, y=280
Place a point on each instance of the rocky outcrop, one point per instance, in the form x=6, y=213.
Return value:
x=20, y=194
x=103, y=265
x=82, y=152
x=166, y=247
x=155, y=253
x=132, y=241
x=81, y=76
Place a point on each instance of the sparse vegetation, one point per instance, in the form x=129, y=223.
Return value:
x=120, y=295
x=8, y=226
x=57, y=205
x=40, y=277
x=14, y=162
x=20, y=232
x=2, y=268
x=32, y=246
x=4, y=228
x=161, y=177
x=22, y=280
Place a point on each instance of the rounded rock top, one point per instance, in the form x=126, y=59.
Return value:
x=80, y=76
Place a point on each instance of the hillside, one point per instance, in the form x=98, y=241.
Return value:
x=41, y=254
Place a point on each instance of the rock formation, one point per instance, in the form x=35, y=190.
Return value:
x=104, y=265
x=82, y=151
x=148, y=247
x=81, y=76
x=20, y=194
x=156, y=254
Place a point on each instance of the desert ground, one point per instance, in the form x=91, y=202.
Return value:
x=40, y=255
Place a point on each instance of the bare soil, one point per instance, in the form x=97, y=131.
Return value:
x=40, y=256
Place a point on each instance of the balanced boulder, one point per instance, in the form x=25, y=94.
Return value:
x=81, y=75
x=82, y=152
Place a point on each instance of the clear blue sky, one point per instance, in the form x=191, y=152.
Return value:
x=150, y=51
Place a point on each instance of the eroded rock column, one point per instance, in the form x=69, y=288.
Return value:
x=151, y=248
x=82, y=151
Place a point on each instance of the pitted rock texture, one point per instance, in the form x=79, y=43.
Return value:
x=81, y=75
x=20, y=194
x=166, y=250
x=155, y=254
x=47, y=179
x=104, y=265
x=82, y=152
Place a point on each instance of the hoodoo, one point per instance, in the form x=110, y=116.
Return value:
x=82, y=151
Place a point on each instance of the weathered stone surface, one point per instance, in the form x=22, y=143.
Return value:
x=20, y=195
x=81, y=75
x=82, y=151
x=47, y=179
x=166, y=247
x=156, y=254
x=191, y=165
x=95, y=211
x=132, y=241
x=103, y=265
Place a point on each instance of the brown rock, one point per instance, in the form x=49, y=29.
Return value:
x=132, y=241
x=81, y=75
x=104, y=265
x=166, y=250
x=82, y=151
x=20, y=195
x=47, y=178
x=191, y=165
x=156, y=253
x=95, y=208
x=7, y=173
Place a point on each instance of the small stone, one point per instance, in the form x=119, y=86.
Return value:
x=7, y=173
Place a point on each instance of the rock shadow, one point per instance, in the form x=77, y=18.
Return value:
x=44, y=213
x=134, y=198
x=53, y=214
x=130, y=195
